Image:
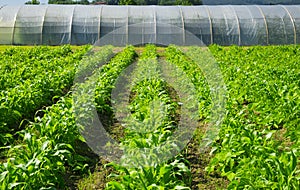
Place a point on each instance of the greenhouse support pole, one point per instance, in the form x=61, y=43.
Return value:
x=127, y=27
x=294, y=27
x=199, y=18
x=99, y=22
x=266, y=24
x=14, y=28
x=113, y=35
x=155, y=25
x=210, y=25
x=252, y=19
x=183, y=27
x=46, y=13
x=43, y=22
x=71, y=25
x=143, y=31
x=238, y=24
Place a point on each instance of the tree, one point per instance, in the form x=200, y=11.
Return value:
x=160, y=2
x=60, y=2
x=83, y=2
x=127, y=2
x=183, y=2
x=33, y=2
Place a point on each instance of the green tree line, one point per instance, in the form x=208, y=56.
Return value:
x=33, y=2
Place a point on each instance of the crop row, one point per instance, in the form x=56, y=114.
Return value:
x=147, y=161
x=20, y=65
x=258, y=145
x=32, y=83
x=49, y=147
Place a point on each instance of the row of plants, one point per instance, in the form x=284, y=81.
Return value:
x=45, y=153
x=51, y=149
x=147, y=161
x=258, y=145
x=32, y=78
x=25, y=64
x=176, y=56
x=208, y=108
x=107, y=78
x=209, y=89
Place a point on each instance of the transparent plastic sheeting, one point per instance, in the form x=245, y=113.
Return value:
x=121, y=25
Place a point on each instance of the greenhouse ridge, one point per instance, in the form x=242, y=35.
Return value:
x=121, y=25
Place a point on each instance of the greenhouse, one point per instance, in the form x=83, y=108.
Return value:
x=121, y=25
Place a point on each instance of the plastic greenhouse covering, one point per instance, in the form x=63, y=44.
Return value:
x=121, y=25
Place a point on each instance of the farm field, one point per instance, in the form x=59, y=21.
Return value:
x=256, y=147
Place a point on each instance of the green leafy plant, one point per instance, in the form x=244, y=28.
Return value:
x=43, y=74
x=148, y=128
